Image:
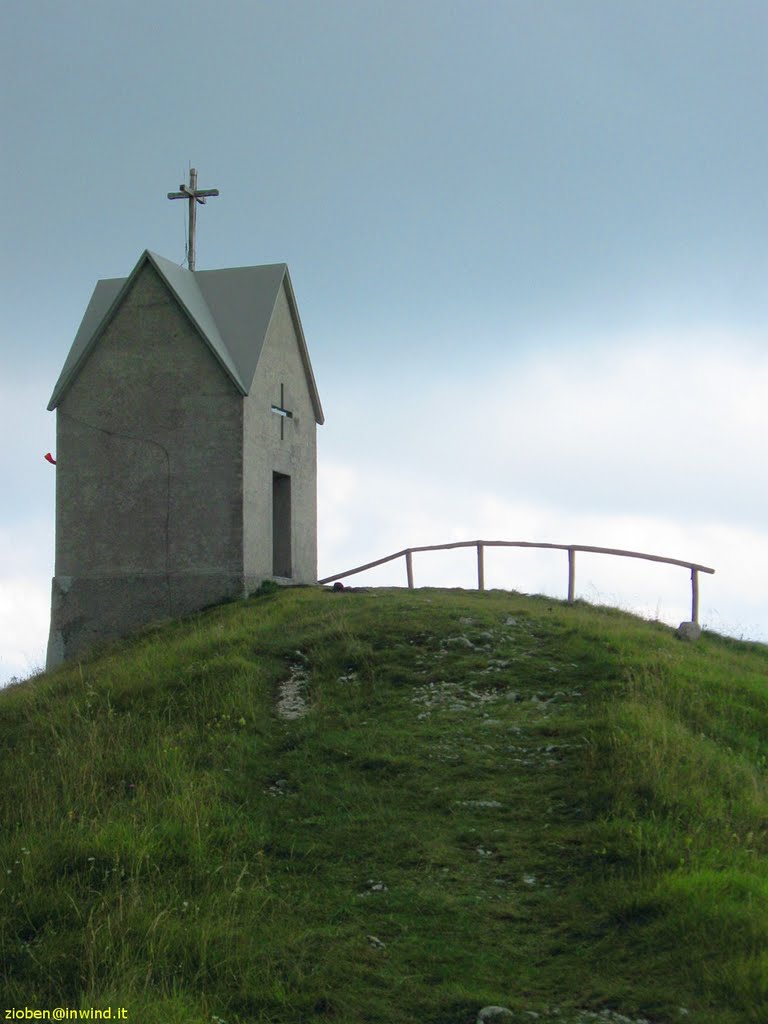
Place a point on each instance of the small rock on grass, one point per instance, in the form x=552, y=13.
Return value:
x=690, y=631
x=495, y=1015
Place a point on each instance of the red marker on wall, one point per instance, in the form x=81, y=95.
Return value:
x=50, y=458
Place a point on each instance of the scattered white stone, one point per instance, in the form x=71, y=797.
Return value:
x=479, y=803
x=458, y=641
x=529, y=879
x=494, y=1015
x=603, y=1017
x=373, y=886
x=292, y=701
x=452, y=696
x=278, y=788
x=376, y=943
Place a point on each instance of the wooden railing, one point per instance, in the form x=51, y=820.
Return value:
x=408, y=553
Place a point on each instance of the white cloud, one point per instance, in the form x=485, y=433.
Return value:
x=26, y=567
x=661, y=427
x=652, y=444
x=24, y=619
x=655, y=425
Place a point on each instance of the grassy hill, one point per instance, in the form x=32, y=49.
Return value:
x=390, y=807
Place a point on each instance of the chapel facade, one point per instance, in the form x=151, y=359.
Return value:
x=186, y=450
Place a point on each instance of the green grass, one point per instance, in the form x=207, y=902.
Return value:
x=524, y=803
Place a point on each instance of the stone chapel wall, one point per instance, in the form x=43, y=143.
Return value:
x=149, y=477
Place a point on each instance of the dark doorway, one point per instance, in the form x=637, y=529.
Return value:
x=281, y=525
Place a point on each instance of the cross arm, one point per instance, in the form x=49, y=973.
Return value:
x=198, y=194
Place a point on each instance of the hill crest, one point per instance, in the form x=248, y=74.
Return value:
x=556, y=809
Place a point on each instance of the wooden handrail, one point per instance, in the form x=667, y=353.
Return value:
x=407, y=553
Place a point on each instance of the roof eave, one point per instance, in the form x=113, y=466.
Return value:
x=313, y=392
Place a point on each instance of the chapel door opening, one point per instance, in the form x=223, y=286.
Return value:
x=281, y=525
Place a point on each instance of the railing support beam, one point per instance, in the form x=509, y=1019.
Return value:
x=409, y=567
x=480, y=567
x=571, y=575
x=695, y=596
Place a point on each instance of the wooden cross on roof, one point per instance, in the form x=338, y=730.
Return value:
x=194, y=195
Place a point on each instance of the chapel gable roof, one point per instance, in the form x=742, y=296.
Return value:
x=231, y=310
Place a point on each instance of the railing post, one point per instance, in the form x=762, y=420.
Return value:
x=480, y=567
x=409, y=568
x=695, y=595
x=571, y=575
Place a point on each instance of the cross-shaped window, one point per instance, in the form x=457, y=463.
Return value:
x=282, y=412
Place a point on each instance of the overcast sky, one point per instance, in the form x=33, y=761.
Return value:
x=528, y=241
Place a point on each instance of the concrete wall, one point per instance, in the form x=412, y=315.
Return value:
x=266, y=453
x=149, y=480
